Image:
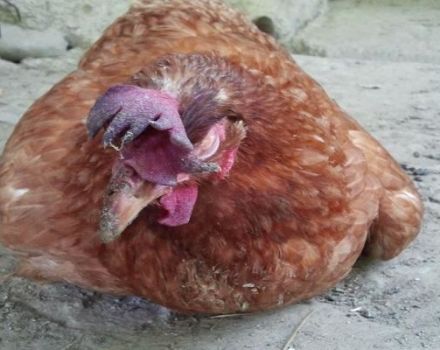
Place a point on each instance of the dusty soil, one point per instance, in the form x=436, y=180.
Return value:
x=381, y=305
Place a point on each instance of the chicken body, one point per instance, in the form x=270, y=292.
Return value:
x=308, y=192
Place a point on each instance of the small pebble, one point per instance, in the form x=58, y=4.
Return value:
x=362, y=312
x=370, y=87
x=434, y=200
x=329, y=298
x=365, y=313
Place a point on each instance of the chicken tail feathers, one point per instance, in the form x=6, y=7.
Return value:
x=398, y=223
x=400, y=206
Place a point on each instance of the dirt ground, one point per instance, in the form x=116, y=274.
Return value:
x=381, y=305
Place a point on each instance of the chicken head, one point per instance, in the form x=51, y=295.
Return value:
x=158, y=163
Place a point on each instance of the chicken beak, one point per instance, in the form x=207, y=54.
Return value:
x=124, y=200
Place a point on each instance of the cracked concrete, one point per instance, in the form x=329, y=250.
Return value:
x=381, y=305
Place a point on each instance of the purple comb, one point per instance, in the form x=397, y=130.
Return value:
x=157, y=156
x=130, y=109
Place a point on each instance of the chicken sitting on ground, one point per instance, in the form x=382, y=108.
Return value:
x=233, y=184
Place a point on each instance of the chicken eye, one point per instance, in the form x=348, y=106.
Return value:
x=128, y=171
x=234, y=117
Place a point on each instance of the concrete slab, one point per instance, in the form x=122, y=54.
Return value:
x=393, y=30
x=21, y=84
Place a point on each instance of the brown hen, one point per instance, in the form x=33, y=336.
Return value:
x=236, y=185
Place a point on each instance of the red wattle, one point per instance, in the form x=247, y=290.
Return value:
x=178, y=204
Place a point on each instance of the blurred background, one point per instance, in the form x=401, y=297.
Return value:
x=397, y=30
x=380, y=59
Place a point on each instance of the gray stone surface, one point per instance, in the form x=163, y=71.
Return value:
x=17, y=43
x=82, y=21
x=392, y=30
x=21, y=84
x=288, y=16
